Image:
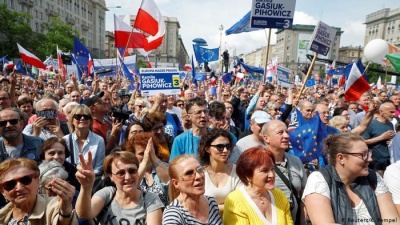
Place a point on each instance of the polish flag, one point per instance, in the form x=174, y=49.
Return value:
x=90, y=66
x=356, y=84
x=148, y=63
x=30, y=58
x=61, y=67
x=127, y=37
x=150, y=20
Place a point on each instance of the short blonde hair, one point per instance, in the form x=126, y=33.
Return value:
x=337, y=121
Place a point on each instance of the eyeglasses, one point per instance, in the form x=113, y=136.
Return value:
x=199, y=112
x=179, y=105
x=220, y=119
x=276, y=109
x=79, y=116
x=121, y=174
x=158, y=128
x=25, y=180
x=191, y=174
x=221, y=147
x=362, y=155
x=136, y=131
x=12, y=122
x=141, y=106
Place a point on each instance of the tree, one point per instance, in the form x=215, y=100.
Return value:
x=141, y=64
x=14, y=29
x=57, y=33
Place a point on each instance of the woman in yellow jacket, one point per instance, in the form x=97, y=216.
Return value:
x=258, y=202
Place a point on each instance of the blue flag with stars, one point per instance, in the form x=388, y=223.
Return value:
x=306, y=140
x=81, y=54
x=205, y=54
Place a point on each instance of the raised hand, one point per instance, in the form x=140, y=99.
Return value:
x=85, y=174
x=65, y=193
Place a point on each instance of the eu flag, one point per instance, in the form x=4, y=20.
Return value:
x=81, y=54
x=125, y=70
x=306, y=140
x=227, y=77
x=205, y=54
x=250, y=69
x=20, y=68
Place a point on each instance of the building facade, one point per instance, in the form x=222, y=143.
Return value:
x=383, y=24
x=292, y=48
x=350, y=54
x=86, y=16
x=258, y=57
x=172, y=52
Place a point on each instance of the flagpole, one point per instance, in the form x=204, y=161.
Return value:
x=116, y=62
x=267, y=55
x=308, y=75
x=127, y=43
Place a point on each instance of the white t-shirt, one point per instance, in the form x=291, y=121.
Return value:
x=392, y=180
x=316, y=184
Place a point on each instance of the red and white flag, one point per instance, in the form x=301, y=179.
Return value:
x=356, y=84
x=126, y=37
x=30, y=58
x=90, y=66
x=61, y=67
x=150, y=20
x=148, y=63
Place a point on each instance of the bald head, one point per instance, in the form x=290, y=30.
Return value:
x=306, y=109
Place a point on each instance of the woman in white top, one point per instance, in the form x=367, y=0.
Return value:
x=346, y=191
x=220, y=174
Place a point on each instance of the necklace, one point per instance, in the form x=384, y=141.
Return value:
x=259, y=197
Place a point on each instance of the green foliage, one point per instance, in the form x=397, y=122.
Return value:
x=14, y=29
x=373, y=76
x=141, y=64
x=57, y=33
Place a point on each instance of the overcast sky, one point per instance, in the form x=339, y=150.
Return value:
x=203, y=18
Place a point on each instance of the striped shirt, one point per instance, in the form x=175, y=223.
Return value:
x=175, y=213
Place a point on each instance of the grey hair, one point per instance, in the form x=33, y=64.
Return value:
x=68, y=105
x=50, y=170
x=46, y=100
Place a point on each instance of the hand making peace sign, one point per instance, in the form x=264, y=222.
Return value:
x=85, y=174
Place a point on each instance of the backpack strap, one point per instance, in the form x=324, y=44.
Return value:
x=71, y=150
x=105, y=208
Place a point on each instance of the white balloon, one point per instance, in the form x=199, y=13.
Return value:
x=376, y=50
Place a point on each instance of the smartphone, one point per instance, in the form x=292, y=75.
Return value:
x=48, y=114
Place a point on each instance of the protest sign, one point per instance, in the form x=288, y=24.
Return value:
x=322, y=38
x=284, y=77
x=272, y=14
x=156, y=80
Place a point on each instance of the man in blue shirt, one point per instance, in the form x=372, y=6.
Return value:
x=188, y=141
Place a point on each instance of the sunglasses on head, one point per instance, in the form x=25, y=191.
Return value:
x=79, y=116
x=121, y=174
x=221, y=147
x=12, y=122
x=25, y=180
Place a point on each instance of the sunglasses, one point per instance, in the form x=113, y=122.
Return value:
x=276, y=110
x=25, y=180
x=221, y=147
x=191, y=174
x=141, y=106
x=79, y=116
x=121, y=174
x=12, y=122
x=179, y=105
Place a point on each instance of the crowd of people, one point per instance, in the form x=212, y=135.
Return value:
x=93, y=152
